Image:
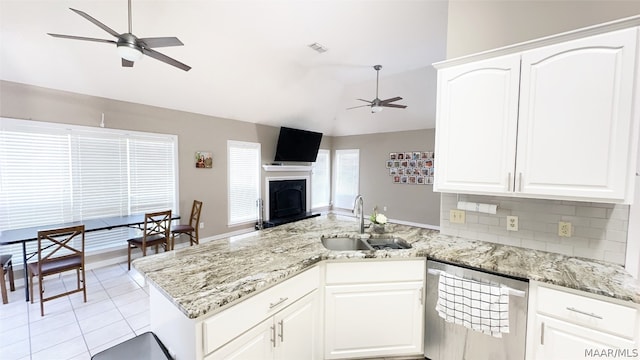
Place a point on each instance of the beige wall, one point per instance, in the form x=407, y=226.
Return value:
x=412, y=203
x=476, y=26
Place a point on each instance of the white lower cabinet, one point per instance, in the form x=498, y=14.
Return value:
x=370, y=308
x=374, y=309
x=290, y=334
x=567, y=325
x=246, y=329
x=565, y=340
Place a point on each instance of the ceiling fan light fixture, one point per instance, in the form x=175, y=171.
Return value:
x=129, y=52
x=376, y=109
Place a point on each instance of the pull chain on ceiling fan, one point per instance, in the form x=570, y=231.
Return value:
x=131, y=48
x=377, y=104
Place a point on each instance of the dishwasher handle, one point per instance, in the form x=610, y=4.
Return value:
x=513, y=292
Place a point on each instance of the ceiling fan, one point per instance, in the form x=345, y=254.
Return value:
x=131, y=48
x=377, y=104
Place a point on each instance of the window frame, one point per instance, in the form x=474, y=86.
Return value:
x=84, y=204
x=231, y=221
x=327, y=169
x=337, y=203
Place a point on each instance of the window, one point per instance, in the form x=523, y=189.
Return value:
x=243, y=159
x=56, y=173
x=321, y=180
x=347, y=167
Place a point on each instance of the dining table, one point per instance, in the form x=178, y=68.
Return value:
x=25, y=235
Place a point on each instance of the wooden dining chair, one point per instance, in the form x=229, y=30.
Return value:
x=6, y=267
x=156, y=232
x=190, y=229
x=59, y=251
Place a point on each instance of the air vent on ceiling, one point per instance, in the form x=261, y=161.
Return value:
x=317, y=47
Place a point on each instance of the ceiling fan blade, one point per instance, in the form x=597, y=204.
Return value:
x=155, y=42
x=390, y=100
x=394, y=106
x=165, y=59
x=127, y=63
x=96, y=22
x=355, y=107
x=370, y=102
x=81, y=38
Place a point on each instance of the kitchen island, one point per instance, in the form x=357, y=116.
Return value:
x=204, y=280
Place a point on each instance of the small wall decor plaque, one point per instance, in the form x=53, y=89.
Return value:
x=411, y=167
x=203, y=160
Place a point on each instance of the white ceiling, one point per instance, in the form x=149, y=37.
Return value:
x=250, y=60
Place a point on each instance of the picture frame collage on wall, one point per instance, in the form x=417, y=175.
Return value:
x=411, y=167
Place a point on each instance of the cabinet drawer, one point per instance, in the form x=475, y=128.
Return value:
x=597, y=314
x=377, y=271
x=230, y=323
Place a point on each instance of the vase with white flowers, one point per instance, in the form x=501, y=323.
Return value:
x=378, y=221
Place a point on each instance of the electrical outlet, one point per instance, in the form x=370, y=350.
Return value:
x=384, y=208
x=202, y=225
x=512, y=223
x=564, y=229
x=456, y=216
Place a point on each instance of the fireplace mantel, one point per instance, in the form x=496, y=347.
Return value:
x=287, y=167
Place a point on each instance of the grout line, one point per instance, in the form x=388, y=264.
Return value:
x=29, y=323
x=76, y=315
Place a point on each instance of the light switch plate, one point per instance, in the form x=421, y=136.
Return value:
x=456, y=216
x=512, y=223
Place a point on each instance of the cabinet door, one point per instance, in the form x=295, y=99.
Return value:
x=476, y=124
x=297, y=330
x=561, y=340
x=575, y=120
x=257, y=343
x=373, y=320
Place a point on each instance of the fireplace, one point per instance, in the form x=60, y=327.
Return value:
x=287, y=200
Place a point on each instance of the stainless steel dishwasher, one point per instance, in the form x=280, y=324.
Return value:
x=449, y=341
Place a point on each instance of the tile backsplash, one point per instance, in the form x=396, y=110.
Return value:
x=599, y=231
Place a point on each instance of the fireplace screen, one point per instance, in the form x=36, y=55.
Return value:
x=287, y=198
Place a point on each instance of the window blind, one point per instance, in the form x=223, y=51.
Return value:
x=54, y=173
x=321, y=180
x=152, y=176
x=243, y=178
x=347, y=177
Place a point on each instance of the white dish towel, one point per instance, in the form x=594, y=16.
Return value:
x=477, y=306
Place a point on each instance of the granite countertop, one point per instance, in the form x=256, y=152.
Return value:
x=201, y=279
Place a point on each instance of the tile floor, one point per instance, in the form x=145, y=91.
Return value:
x=117, y=309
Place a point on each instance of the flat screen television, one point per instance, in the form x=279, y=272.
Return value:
x=297, y=145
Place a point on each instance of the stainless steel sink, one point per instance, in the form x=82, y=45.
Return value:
x=345, y=243
x=388, y=243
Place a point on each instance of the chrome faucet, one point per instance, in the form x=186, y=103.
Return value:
x=358, y=203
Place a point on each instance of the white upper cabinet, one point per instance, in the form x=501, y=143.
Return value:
x=554, y=122
x=476, y=125
x=575, y=117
